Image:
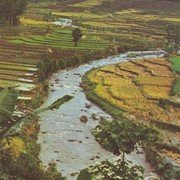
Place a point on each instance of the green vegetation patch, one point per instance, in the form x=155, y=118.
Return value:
x=8, y=100
x=176, y=67
x=175, y=63
x=19, y=85
x=176, y=87
x=63, y=39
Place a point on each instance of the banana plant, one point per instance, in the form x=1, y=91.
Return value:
x=8, y=99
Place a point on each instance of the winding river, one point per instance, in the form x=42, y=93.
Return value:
x=64, y=139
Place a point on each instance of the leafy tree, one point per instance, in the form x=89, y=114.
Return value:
x=121, y=137
x=11, y=10
x=116, y=170
x=77, y=35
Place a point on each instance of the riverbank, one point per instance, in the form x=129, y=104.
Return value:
x=120, y=111
x=62, y=134
x=19, y=155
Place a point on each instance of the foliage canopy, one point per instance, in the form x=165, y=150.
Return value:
x=11, y=10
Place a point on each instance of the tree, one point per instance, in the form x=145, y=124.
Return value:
x=77, y=35
x=121, y=137
x=11, y=10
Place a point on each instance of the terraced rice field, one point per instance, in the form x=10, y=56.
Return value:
x=129, y=24
x=137, y=87
x=21, y=76
x=127, y=28
x=18, y=68
x=62, y=39
x=23, y=47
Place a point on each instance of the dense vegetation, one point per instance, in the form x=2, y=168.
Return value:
x=176, y=68
x=11, y=10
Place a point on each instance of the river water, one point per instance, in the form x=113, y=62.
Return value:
x=64, y=139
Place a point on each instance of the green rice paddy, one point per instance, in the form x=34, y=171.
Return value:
x=176, y=87
x=19, y=85
x=176, y=68
x=175, y=63
x=64, y=41
x=24, y=45
x=19, y=75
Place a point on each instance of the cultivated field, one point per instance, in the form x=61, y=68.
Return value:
x=146, y=91
x=131, y=27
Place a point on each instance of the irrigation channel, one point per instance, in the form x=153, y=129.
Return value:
x=64, y=139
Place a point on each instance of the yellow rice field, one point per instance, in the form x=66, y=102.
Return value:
x=133, y=88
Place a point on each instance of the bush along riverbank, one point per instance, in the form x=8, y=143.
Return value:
x=163, y=153
x=51, y=62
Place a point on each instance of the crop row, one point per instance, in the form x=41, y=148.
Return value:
x=17, y=67
x=156, y=69
x=19, y=85
x=137, y=93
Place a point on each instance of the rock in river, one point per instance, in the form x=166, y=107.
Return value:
x=84, y=119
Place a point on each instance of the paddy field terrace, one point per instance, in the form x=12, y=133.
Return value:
x=26, y=48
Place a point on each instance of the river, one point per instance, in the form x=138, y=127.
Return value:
x=64, y=139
